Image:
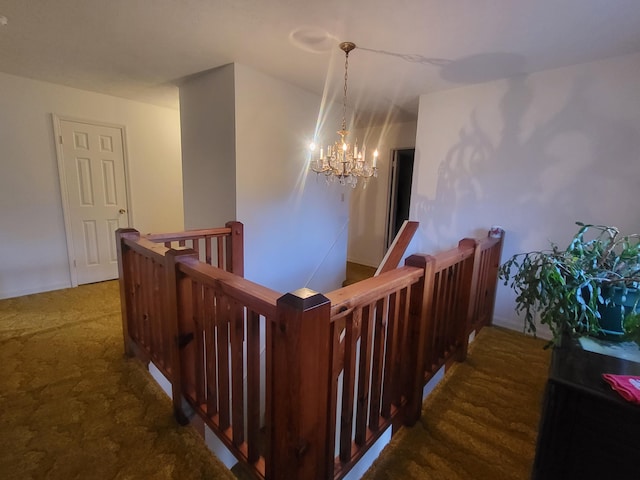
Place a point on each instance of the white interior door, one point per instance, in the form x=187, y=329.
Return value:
x=93, y=175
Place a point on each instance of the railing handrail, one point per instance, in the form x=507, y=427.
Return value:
x=188, y=234
x=450, y=257
x=345, y=299
x=144, y=246
x=259, y=298
x=398, y=247
x=487, y=242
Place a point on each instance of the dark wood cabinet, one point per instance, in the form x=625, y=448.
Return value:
x=587, y=431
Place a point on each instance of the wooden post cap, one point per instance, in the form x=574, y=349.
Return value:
x=303, y=299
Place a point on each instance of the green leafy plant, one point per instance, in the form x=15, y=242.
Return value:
x=632, y=327
x=564, y=288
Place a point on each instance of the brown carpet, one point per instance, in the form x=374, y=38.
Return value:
x=71, y=405
x=481, y=421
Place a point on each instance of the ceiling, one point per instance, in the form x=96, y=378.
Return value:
x=141, y=49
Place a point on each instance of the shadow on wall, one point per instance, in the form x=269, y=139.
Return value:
x=536, y=181
x=553, y=165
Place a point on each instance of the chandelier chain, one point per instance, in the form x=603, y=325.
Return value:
x=344, y=98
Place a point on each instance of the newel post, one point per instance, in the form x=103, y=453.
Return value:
x=299, y=376
x=492, y=285
x=125, y=279
x=174, y=309
x=235, y=248
x=421, y=318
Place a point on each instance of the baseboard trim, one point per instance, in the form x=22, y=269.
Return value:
x=517, y=325
x=31, y=291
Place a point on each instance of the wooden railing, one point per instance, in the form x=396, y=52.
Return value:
x=299, y=386
x=220, y=247
x=488, y=252
x=398, y=247
x=148, y=290
x=372, y=327
x=220, y=319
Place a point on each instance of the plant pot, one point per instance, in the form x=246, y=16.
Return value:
x=621, y=303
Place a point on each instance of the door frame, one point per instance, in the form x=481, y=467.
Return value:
x=389, y=236
x=64, y=192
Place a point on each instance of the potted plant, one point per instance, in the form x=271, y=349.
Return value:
x=591, y=287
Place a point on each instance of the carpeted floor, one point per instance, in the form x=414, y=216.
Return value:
x=71, y=405
x=481, y=421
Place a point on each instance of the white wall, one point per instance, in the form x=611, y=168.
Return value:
x=207, y=118
x=369, y=206
x=33, y=252
x=534, y=154
x=295, y=227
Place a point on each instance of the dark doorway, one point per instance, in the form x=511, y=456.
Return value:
x=400, y=190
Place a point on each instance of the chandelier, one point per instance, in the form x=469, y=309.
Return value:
x=341, y=161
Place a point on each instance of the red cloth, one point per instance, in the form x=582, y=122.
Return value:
x=626, y=385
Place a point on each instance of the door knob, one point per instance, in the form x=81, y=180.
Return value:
x=122, y=210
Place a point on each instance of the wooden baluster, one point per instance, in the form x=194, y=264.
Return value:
x=431, y=326
x=160, y=314
x=157, y=325
x=298, y=429
x=223, y=315
x=337, y=363
x=140, y=299
x=253, y=386
x=441, y=313
x=379, y=341
x=186, y=335
x=207, y=248
x=352, y=332
x=396, y=377
x=199, y=358
x=236, y=330
x=149, y=288
x=210, y=348
x=388, y=387
x=220, y=253
x=132, y=294
x=402, y=361
x=168, y=317
x=442, y=316
x=452, y=323
x=196, y=246
x=366, y=344
x=468, y=287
